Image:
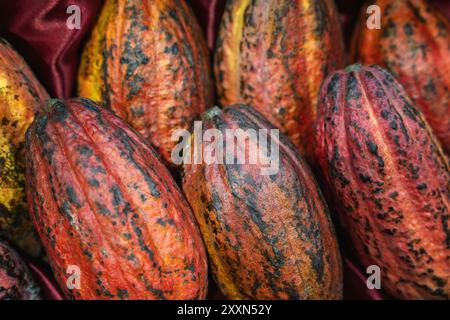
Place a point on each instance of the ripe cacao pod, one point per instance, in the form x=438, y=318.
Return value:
x=413, y=43
x=273, y=55
x=20, y=96
x=389, y=179
x=102, y=201
x=16, y=281
x=148, y=62
x=268, y=236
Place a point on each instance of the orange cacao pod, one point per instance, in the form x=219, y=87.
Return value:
x=147, y=61
x=268, y=236
x=273, y=55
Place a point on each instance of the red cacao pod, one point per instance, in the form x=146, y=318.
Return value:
x=16, y=281
x=413, y=43
x=389, y=179
x=102, y=201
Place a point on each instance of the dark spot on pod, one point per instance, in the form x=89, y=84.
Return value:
x=73, y=198
x=373, y=148
x=390, y=232
x=393, y=195
x=320, y=18
x=94, y=183
x=336, y=155
x=141, y=241
x=165, y=222
x=134, y=86
x=127, y=235
x=117, y=195
x=190, y=267
x=122, y=293
x=332, y=85
x=408, y=29
x=430, y=87
x=365, y=178
x=102, y=209
x=416, y=12
x=174, y=49
x=393, y=125
x=137, y=111
x=84, y=150
x=41, y=125
x=444, y=220
x=335, y=173
x=389, y=30
x=353, y=91
x=87, y=253
x=440, y=282
x=421, y=186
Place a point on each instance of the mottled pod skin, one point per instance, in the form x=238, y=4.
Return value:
x=16, y=281
x=102, y=200
x=268, y=236
x=20, y=96
x=414, y=45
x=273, y=55
x=389, y=179
x=148, y=62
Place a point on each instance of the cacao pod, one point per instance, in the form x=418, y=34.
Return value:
x=20, y=96
x=413, y=43
x=102, y=201
x=389, y=179
x=16, y=281
x=268, y=236
x=273, y=55
x=148, y=62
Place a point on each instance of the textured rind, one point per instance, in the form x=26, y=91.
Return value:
x=273, y=55
x=267, y=236
x=102, y=200
x=20, y=96
x=389, y=179
x=414, y=45
x=148, y=62
x=16, y=281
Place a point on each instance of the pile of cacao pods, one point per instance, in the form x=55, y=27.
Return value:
x=89, y=183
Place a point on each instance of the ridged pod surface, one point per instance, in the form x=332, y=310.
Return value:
x=16, y=281
x=20, y=96
x=273, y=55
x=268, y=236
x=102, y=200
x=389, y=179
x=148, y=62
x=414, y=45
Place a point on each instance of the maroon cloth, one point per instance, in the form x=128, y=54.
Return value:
x=37, y=29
